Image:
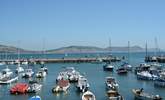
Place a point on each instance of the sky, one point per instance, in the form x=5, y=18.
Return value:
x=31, y=24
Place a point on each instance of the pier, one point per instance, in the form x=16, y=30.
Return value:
x=160, y=59
x=66, y=60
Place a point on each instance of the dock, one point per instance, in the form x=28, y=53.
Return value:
x=159, y=59
x=66, y=60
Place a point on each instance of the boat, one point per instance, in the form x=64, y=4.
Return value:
x=62, y=75
x=7, y=72
x=160, y=81
x=34, y=87
x=140, y=94
x=19, y=88
x=122, y=70
x=8, y=79
x=69, y=73
x=127, y=66
x=41, y=74
x=44, y=68
x=19, y=69
x=61, y=86
x=111, y=83
x=2, y=63
x=88, y=96
x=28, y=73
x=145, y=75
x=82, y=84
x=25, y=62
x=108, y=67
x=35, y=98
x=142, y=67
x=114, y=95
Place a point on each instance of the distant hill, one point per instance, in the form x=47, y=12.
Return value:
x=12, y=49
x=91, y=49
x=75, y=49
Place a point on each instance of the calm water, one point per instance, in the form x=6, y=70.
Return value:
x=93, y=72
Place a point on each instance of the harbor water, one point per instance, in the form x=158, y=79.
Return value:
x=92, y=71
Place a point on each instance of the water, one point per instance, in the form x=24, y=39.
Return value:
x=93, y=72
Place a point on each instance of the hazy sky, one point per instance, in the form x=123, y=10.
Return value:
x=81, y=22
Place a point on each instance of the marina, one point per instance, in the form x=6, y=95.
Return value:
x=73, y=71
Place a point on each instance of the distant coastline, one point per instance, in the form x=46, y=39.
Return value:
x=74, y=49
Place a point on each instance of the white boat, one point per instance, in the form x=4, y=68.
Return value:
x=69, y=73
x=88, y=96
x=127, y=66
x=28, y=73
x=108, y=67
x=44, y=68
x=7, y=72
x=34, y=87
x=41, y=74
x=141, y=95
x=145, y=75
x=8, y=79
x=35, y=98
x=2, y=63
x=62, y=75
x=61, y=86
x=114, y=95
x=19, y=69
x=25, y=62
x=111, y=84
x=161, y=80
x=83, y=84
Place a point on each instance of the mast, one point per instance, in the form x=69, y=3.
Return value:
x=128, y=51
x=110, y=46
x=156, y=46
x=146, y=50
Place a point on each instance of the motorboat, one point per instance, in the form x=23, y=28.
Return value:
x=111, y=83
x=62, y=75
x=69, y=73
x=19, y=88
x=122, y=70
x=41, y=74
x=82, y=84
x=140, y=94
x=61, y=86
x=108, y=67
x=8, y=79
x=28, y=73
x=127, y=66
x=160, y=81
x=19, y=69
x=142, y=67
x=145, y=75
x=35, y=98
x=43, y=68
x=34, y=87
x=7, y=72
x=114, y=95
x=88, y=96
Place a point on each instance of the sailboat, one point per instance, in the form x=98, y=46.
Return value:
x=126, y=64
x=19, y=69
x=108, y=66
